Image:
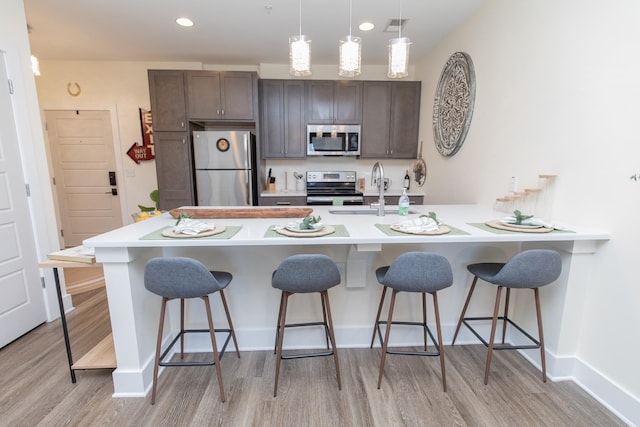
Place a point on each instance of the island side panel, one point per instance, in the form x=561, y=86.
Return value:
x=134, y=314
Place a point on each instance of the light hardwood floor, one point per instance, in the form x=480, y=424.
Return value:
x=35, y=389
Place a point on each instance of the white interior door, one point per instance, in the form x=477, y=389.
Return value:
x=21, y=298
x=81, y=144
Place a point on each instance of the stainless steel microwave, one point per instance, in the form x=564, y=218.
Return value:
x=333, y=140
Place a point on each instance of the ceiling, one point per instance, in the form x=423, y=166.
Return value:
x=233, y=32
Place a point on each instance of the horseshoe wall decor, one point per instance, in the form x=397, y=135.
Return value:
x=75, y=92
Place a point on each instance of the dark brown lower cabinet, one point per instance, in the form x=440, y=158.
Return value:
x=174, y=169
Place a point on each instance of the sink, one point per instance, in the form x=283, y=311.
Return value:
x=366, y=211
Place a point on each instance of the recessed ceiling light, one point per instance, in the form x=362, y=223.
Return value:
x=185, y=22
x=366, y=26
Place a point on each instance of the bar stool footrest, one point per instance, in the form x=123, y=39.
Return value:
x=410, y=353
x=188, y=331
x=304, y=355
x=500, y=346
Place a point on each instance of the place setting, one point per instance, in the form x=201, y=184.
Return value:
x=309, y=226
x=423, y=225
x=189, y=228
x=522, y=223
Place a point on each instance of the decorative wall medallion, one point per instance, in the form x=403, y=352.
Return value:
x=453, y=103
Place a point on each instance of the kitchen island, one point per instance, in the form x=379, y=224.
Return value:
x=361, y=243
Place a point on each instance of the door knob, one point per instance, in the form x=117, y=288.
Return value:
x=113, y=192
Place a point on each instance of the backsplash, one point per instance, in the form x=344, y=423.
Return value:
x=394, y=169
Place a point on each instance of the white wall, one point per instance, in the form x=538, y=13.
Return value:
x=557, y=92
x=122, y=87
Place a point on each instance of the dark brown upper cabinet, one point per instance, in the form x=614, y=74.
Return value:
x=282, y=119
x=390, y=119
x=221, y=95
x=168, y=105
x=334, y=102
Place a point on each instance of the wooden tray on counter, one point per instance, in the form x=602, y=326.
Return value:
x=249, y=212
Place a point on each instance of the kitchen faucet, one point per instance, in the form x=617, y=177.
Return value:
x=377, y=167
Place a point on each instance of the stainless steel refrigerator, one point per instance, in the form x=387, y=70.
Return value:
x=225, y=163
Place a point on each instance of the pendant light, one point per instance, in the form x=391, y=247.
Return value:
x=350, y=53
x=300, y=53
x=399, y=53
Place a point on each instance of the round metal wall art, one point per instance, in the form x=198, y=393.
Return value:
x=453, y=104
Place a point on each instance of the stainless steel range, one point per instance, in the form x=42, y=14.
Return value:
x=327, y=188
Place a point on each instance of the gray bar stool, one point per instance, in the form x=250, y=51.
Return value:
x=305, y=273
x=529, y=269
x=178, y=277
x=421, y=272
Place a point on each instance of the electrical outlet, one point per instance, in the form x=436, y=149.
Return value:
x=513, y=184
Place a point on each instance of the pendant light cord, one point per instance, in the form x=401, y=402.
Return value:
x=350, y=15
x=300, y=16
x=400, y=22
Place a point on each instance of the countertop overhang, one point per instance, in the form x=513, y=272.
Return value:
x=361, y=230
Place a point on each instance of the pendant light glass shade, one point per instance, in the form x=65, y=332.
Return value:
x=398, y=58
x=299, y=52
x=350, y=52
x=299, y=56
x=350, y=57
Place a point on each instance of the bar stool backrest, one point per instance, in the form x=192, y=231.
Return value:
x=530, y=269
x=179, y=277
x=304, y=273
x=419, y=272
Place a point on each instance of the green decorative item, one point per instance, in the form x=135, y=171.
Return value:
x=433, y=216
x=156, y=199
x=308, y=222
x=520, y=217
x=182, y=215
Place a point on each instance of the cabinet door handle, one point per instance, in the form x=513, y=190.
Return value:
x=184, y=141
x=283, y=203
x=182, y=125
x=222, y=112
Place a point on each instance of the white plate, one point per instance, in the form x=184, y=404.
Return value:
x=296, y=229
x=509, y=224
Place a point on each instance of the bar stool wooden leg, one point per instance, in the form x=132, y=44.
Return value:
x=158, y=350
x=540, y=335
x=324, y=319
x=281, y=322
x=506, y=313
x=181, y=328
x=386, y=336
x=275, y=344
x=440, y=346
x=325, y=297
x=233, y=331
x=375, y=325
x=424, y=319
x=493, y=335
x=464, y=309
x=216, y=359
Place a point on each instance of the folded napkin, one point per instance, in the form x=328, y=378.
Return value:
x=420, y=224
x=531, y=222
x=192, y=227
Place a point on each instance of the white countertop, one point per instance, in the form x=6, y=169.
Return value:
x=292, y=193
x=361, y=229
